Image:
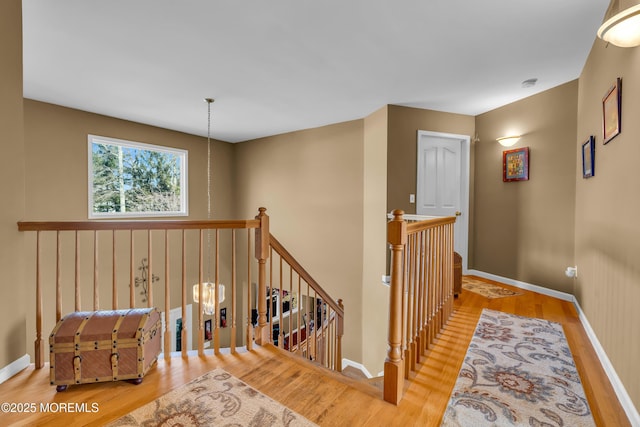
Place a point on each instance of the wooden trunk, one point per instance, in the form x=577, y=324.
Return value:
x=89, y=347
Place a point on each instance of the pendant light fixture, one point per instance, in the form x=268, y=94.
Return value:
x=621, y=26
x=209, y=294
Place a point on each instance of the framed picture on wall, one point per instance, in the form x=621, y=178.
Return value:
x=515, y=165
x=611, y=112
x=588, y=157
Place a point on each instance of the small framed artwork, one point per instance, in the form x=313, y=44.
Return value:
x=611, y=112
x=223, y=317
x=208, y=335
x=588, y=157
x=515, y=165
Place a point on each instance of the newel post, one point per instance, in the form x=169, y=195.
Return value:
x=393, y=365
x=262, y=253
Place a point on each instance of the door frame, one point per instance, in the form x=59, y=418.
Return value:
x=465, y=168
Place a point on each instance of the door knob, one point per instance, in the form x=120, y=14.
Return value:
x=458, y=213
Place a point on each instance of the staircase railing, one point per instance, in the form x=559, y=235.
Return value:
x=94, y=265
x=421, y=298
x=307, y=320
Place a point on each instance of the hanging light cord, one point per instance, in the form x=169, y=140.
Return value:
x=209, y=101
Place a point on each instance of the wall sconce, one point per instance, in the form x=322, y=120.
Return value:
x=508, y=141
x=621, y=25
x=208, y=296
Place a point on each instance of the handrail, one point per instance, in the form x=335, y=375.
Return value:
x=100, y=225
x=280, y=250
x=421, y=296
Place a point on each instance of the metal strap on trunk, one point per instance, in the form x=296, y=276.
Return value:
x=77, y=358
x=114, y=345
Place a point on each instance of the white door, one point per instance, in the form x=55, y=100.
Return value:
x=443, y=182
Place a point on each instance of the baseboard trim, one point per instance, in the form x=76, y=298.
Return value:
x=524, y=285
x=620, y=390
x=14, y=367
x=356, y=365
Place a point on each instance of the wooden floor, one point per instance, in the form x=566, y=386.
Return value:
x=329, y=399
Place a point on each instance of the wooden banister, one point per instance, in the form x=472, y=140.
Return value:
x=324, y=345
x=421, y=295
x=84, y=291
x=314, y=328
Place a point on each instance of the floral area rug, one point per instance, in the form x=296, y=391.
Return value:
x=214, y=399
x=485, y=289
x=518, y=371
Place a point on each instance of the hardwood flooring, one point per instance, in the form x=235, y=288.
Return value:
x=328, y=399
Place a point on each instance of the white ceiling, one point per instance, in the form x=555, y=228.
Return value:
x=282, y=65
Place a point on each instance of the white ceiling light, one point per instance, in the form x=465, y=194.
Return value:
x=621, y=25
x=508, y=141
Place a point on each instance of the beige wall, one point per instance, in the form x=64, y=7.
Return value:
x=56, y=141
x=524, y=230
x=404, y=124
x=311, y=183
x=12, y=174
x=607, y=231
x=375, y=295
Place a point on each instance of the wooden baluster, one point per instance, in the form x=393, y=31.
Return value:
x=249, y=338
x=58, y=277
x=291, y=343
x=216, y=300
x=200, y=296
x=132, y=255
x=451, y=250
x=270, y=311
x=317, y=327
x=233, y=291
x=262, y=252
x=114, y=272
x=310, y=332
x=38, y=344
x=340, y=333
x=393, y=366
x=423, y=291
x=298, y=302
x=329, y=338
x=431, y=283
x=149, y=271
x=418, y=299
x=280, y=308
x=96, y=293
x=407, y=310
x=78, y=303
x=167, y=298
x=184, y=334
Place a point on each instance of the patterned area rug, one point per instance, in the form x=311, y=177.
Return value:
x=518, y=371
x=488, y=290
x=216, y=398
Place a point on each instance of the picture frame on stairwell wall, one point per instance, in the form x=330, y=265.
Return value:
x=612, y=112
x=515, y=165
x=223, y=317
x=588, y=157
x=208, y=334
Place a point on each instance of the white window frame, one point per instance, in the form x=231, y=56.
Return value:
x=184, y=188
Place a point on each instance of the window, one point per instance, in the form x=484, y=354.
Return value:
x=129, y=179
